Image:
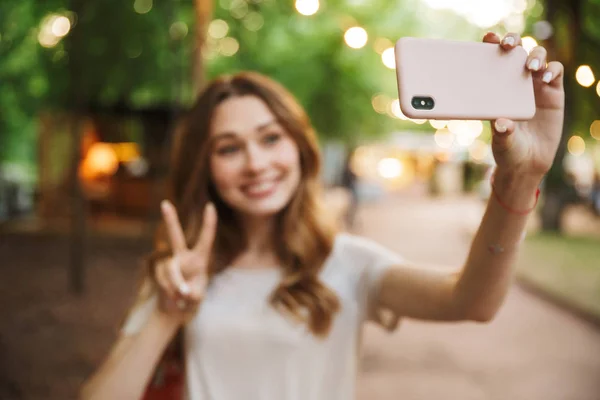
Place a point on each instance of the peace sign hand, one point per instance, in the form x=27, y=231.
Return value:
x=183, y=277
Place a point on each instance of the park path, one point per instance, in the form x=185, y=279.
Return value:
x=531, y=351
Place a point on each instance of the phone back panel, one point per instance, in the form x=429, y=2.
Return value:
x=467, y=80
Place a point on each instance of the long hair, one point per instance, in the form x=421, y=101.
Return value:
x=303, y=236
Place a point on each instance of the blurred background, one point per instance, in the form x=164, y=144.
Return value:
x=89, y=95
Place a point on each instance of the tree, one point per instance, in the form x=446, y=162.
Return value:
x=575, y=41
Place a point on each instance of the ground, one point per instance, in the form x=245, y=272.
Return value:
x=51, y=340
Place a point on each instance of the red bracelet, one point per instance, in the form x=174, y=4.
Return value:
x=507, y=208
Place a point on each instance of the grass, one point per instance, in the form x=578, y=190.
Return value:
x=567, y=268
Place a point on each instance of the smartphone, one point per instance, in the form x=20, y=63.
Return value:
x=444, y=79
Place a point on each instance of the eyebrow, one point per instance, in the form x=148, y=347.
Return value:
x=229, y=134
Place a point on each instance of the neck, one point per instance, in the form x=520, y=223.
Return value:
x=259, y=234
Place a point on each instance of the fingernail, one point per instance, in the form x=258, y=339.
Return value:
x=499, y=127
x=184, y=289
x=547, y=77
x=509, y=40
x=534, y=64
x=164, y=204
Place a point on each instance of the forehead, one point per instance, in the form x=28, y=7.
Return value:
x=240, y=115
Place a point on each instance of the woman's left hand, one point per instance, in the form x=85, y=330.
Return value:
x=528, y=148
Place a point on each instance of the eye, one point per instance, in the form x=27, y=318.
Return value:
x=272, y=138
x=228, y=149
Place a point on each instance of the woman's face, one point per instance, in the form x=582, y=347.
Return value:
x=254, y=162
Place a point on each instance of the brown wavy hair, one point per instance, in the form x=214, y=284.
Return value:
x=303, y=236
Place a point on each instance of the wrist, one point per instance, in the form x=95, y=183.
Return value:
x=515, y=179
x=169, y=321
x=514, y=191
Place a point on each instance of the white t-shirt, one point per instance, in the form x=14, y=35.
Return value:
x=239, y=347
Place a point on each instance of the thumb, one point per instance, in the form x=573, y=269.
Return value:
x=502, y=134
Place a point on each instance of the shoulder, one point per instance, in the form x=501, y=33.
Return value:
x=361, y=252
x=360, y=246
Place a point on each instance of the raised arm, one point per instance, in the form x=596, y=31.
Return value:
x=130, y=364
x=181, y=281
x=523, y=152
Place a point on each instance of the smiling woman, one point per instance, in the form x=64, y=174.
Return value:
x=270, y=300
x=254, y=159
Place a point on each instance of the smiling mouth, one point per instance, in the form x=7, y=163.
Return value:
x=261, y=189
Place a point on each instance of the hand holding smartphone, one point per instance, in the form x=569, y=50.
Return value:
x=444, y=79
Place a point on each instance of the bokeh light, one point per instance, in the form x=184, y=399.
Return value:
x=380, y=103
x=47, y=36
x=438, y=124
x=229, y=46
x=307, y=7
x=178, y=30
x=515, y=23
x=389, y=168
x=396, y=111
x=479, y=150
x=253, y=21
x=388, y=58
x=576, y=145
x=543, y=30
x=239, y=9
x=595, y=129
x=598, y=88
x=444, y=138
x=101, y=159
x=218, y=29
x=61, y=26
x=381, y=44
x=528, y=43
x=484, y=14
x=356, y=37
x=142, y=6
x=585, y=76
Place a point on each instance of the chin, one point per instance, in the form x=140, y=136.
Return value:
x=266, y=209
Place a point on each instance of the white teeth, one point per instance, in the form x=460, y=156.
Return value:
x=260, y=187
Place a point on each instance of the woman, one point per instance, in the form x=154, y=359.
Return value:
x=271, y=300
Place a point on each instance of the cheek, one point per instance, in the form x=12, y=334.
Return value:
x=224, y=173
x=288, y=155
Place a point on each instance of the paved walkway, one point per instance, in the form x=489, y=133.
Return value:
x=531, y=351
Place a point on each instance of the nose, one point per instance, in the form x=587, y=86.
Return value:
x=256, y=159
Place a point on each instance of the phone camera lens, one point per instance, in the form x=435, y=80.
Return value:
x=422, y=103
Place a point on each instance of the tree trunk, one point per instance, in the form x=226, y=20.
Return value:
x=75, y=46
x=203, y=10
x=561, y=47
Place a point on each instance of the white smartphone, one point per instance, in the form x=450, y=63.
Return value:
x=444, y=79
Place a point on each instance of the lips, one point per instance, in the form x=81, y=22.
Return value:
x=261, y=189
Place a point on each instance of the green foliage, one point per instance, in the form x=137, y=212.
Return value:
x=307, y=54
x=142, y=60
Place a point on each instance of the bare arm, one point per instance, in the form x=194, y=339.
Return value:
x=130, y=364
x=181, y=281
x=477, y=291
x=524, y=151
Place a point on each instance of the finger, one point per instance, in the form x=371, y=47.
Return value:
x=536, y=61
x=182, y=304
x=173, y=272
x=163, y=281
x=491, y=37
x=510, y=41
x=553, y=74
x=174, y=231
x=209, y=228
x=502, y=130
x=197, y=290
